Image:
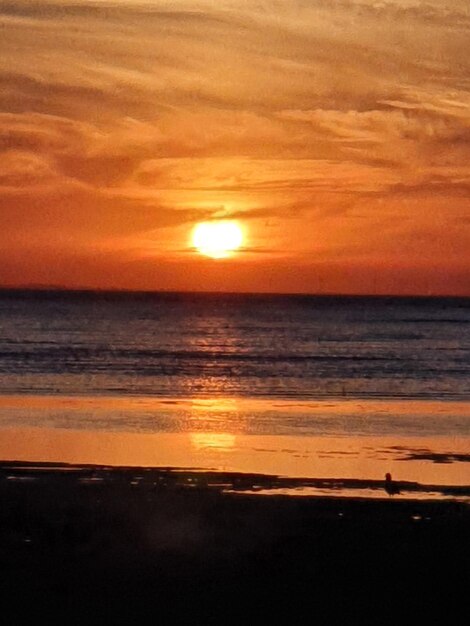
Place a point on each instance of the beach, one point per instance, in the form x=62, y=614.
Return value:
x=91, y=543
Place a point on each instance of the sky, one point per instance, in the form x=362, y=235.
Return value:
x=337, y=134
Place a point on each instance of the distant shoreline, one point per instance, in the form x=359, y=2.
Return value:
x=54, y=290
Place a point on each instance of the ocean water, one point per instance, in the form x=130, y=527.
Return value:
x=205, y=346
x=296, y=385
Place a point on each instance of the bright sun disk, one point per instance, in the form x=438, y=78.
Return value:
x=217, y=239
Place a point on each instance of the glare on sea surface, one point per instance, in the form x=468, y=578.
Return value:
x=217, y=239
x=217, y=441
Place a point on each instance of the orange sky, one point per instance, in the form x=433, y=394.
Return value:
x=337, y=133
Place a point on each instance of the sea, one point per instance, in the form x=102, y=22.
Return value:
x=302, y=387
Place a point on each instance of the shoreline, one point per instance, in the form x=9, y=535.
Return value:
x=327, y=403
x=441, y=461
x=152, y=479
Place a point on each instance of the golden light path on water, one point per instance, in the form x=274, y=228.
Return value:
x=206, y=444
x=215, y=441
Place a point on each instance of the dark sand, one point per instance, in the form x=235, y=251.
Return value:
x=86, y=545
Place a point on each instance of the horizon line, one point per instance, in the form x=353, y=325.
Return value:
x=115, y=290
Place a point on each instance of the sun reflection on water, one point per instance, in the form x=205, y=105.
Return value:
x=214, y=441
x=215, y=404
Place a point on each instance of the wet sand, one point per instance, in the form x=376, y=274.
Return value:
x=84, y=544
x=437, y=461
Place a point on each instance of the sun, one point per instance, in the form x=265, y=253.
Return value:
x=217, y=239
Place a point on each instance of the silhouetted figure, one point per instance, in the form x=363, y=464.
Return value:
x=390, y=487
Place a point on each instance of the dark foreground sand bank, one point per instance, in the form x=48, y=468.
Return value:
x=91, y=544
